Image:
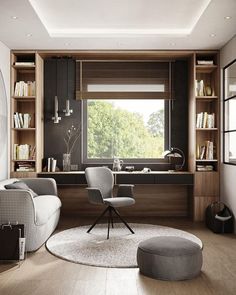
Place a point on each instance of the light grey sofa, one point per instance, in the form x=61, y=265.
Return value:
x=40, y=215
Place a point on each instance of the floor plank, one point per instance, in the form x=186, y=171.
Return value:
x=42, y=273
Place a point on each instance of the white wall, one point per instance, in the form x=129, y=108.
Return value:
x=5, y=69
x=228, y=172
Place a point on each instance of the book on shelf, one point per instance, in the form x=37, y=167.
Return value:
x=24, y=88
x=32, y=153
x=21, y=151
x=205, y=62
x=21, y=120
x=202, y=152
x=205, y=152
x=25, y=63
x=205, y=120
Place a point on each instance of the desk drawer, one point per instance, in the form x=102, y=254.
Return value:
x=185, y=179
x=135, y=179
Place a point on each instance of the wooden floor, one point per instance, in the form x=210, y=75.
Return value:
x=42, y=273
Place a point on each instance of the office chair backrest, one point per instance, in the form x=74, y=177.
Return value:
x=101, y=178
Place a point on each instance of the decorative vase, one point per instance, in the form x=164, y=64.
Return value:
x=66, y=162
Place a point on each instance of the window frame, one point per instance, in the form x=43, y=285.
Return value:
x=167, y=137
x=225, y=100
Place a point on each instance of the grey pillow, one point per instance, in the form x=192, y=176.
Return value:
x=21, y=185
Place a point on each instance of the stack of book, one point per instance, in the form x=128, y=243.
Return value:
x=205, y=152
x=25, y=166
x=25, y=88
x=205, y=62
x=22, y=120
x=205, y=168
x=25, y=63
x=205, y=120
x=23, y=152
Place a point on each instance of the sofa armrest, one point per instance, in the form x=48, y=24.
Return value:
x=42, y=186
x=95, y=195
x=125, y=190
x=17, y=205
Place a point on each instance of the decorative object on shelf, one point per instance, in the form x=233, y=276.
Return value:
x=174, y=152
x=72, y=135
x=117, y=164
x=208, y=90
x=129, y=168
x=56, y=119
x=66, y=162
x=67, y=110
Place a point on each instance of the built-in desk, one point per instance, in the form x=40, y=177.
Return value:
x=135, y=177
x=157, y=193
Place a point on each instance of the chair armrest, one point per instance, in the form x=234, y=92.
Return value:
x=17, y=205
x=125, y=190
x=42, y=186
x=95, y=195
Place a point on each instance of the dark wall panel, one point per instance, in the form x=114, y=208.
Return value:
x=179, y=107
x=54, y=145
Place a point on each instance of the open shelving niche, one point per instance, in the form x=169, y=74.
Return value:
x=206, y=187
x=28, y=104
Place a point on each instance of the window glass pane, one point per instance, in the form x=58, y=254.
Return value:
x=230, y=81
x=230, y=147
x=129, y=129
x=230, y=114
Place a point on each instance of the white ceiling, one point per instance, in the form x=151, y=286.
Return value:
x=117, y=24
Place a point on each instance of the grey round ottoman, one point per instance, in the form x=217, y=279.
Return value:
x=169, y=258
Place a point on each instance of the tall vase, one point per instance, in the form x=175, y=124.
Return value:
x=66, y=162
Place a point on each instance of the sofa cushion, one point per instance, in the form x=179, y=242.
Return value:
x=6, y=182
x=20, y=185
x=45, y=207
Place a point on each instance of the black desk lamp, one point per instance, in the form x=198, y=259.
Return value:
x=174, y=152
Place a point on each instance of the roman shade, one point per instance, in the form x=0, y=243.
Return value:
x=123, y=80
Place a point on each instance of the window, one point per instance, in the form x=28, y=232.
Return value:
x=229, y=76
x=135, y=130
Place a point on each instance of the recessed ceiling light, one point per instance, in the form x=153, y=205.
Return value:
x=14, y=17
x=29, y=35
x=213, y=35
x=172, y=43
x=227, y=17
x=67, y=43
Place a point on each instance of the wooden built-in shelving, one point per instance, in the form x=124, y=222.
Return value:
x=206, y=186
x=27, y=104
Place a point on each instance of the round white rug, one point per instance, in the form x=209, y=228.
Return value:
x=120, y=250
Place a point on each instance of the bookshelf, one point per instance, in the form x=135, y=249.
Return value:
x=26, y=114
x=206, y=132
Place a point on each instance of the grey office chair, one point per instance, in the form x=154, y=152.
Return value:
x=100, y=191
